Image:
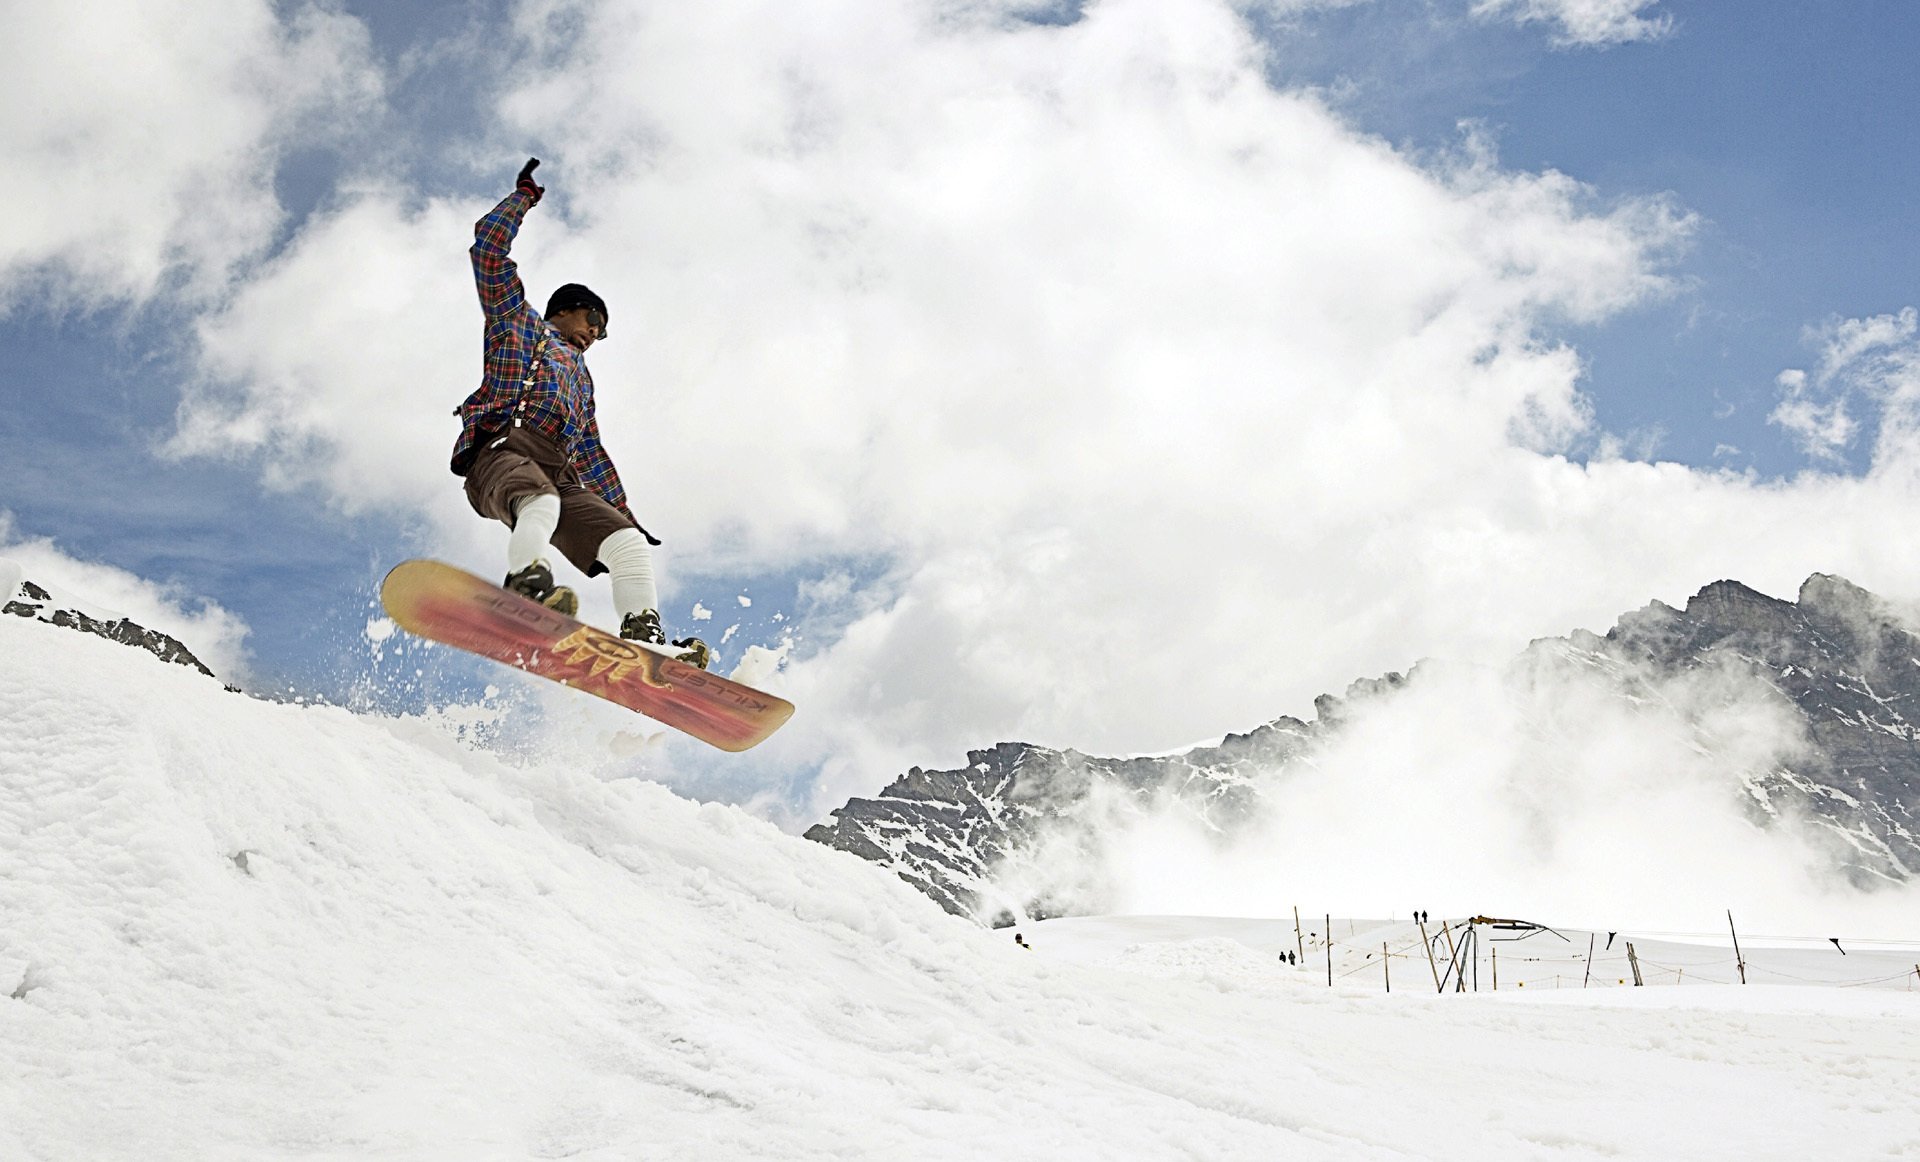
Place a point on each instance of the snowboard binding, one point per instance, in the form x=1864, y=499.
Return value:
x=645, y=627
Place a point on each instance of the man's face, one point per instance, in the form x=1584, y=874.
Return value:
x=580, y=327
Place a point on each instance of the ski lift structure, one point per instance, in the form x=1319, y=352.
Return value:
x=1463, y=947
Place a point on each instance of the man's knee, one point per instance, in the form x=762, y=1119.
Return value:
x=541, y=507
x=626, y=552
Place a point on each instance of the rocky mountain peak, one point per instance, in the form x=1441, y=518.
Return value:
x=1847, y=666
x=32, y=601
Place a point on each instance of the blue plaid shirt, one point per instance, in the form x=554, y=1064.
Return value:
x=531, y=377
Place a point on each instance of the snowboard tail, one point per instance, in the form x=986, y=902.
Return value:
x=448, y=605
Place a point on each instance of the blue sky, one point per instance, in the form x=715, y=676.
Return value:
x=1778, y=124
x=1779, y=128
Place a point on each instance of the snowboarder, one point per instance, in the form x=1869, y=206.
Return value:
x=529, y=444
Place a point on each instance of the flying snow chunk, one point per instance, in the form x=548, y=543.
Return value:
x=745, y=601
x=701, y=612
x=758, y=664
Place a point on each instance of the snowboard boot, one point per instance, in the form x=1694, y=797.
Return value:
x=645, y=627
x=693, y=652
x=535, y=582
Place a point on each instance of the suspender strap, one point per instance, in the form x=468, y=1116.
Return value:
x=526, y=384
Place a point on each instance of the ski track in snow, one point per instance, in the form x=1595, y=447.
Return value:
x=234, y=929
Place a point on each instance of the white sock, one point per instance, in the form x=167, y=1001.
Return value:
x=534, y=519
x=629, y=558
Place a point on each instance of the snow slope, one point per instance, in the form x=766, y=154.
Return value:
x=233, y=929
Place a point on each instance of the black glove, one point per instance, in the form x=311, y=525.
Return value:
x=525, y=182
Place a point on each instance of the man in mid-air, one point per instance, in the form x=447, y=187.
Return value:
x=530, y=446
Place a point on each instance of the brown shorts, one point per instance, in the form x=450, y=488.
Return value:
x=518, y=464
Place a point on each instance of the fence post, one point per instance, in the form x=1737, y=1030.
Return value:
x=1635, y=962
x=1453, y=961
x=1385, y=967
x=1591, y=936
x=1496, y=968
x=1428, y=944
x=1329, y=949
x=1298, y=941
x=1738, y=959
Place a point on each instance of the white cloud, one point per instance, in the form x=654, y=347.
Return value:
x=1587, y=23
x=215, y=635
x=1822, y=426
x=1153, y=401
x=339, y=364
x=139, y=135
x=1869, y=363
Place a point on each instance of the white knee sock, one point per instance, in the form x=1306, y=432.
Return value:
x=629, y=558
x=534, y=519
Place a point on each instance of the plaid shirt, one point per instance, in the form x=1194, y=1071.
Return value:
x=555, y=397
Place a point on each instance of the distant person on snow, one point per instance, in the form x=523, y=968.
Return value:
x=530, y=446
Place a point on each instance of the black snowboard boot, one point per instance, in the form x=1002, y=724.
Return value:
x=645, y=627
x=693, y=651
x=535, y=582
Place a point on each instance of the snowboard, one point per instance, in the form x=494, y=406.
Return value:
x=448, y=605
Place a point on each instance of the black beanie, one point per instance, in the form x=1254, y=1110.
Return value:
x=572, y=297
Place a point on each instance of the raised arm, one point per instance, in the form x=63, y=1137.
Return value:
x=494, y=273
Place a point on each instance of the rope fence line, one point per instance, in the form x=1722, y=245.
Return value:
x=1458, y=965
x=1810, y=941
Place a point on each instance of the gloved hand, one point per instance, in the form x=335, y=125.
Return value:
x=525, y=182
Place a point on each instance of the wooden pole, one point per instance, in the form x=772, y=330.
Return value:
x=1329, y=949
x=1738, y=959
x=1453, y=961
x=1298, y=940
x=1496, y=968
x=1385, y=967
x=1590, y=939
x=1428, y=944
x=1634, y=960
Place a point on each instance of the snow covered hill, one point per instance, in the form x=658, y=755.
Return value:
x=236, y=929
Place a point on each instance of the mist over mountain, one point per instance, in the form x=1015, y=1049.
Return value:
x=1781, y=730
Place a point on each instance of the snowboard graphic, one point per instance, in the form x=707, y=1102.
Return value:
x=452, y=606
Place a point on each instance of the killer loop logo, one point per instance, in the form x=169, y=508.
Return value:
x=604, y=654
